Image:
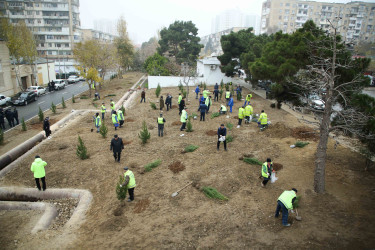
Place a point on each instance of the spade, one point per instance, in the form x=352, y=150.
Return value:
x=176, y=193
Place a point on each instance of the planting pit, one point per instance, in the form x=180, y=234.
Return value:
x=141, y=206
x=278, y=130
x=277, y=166
x=305, y=133
x=211, y=132
x=129, y=120
x=176, y=167
x=176, y=123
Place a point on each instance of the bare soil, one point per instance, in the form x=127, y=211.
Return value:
x=176, y=167
x=342, y=218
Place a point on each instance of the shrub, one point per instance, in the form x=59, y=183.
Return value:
x=81, y=149
x=191, y=148
x=229, y=138
x=301, y=144
x=63, y=102
x=279, y=105
x=40, y=115
x=103, y=130
x=213, y=193
x=296, y=202
x=84, y=97
x=252, y=161
x=144, y=135
x=123, y=110
x=216, y=114
x=73, y=99
x=229, y=126
x=189, y=126
x=158, y=90
x=221, y=93
x=53, y=108
x=153, y=106
x=184, y=93
x=121, y=191
x=150, y=166
x=24, y=128
x=204, y=86
x=95, y=105
x=1, y=136
x=180, y=87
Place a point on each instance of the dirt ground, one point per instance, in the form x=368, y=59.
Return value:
x=342, y=218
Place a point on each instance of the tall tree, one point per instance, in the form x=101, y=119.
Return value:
x=125, y=48
x=92, y=77
x=155, y=65
x=180, y=40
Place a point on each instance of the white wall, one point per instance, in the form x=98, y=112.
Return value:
x=213, y=76
x=170, y=81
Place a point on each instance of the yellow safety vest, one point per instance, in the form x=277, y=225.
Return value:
x=179, y=99
x=205, y=93
x=248, y=97
x=240, y=113
x=131, y=183
x=160, y=120
x=114, y=120
x=227, y=94
x=265, y=169
x=113, y=105
x=103, y=109
x=183, y=116
x=120, y=116
x=248, y=110
x=263, y=119
x=286, y=198
x=223, y=108
x=208, y=102
x=98, y=121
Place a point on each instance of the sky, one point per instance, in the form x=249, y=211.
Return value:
x=146, y=17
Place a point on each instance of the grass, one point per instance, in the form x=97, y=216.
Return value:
x=301, y=144
x=229, y=138
x=252, y=161
x=213, y=193
x=191, y=148
x=111, y=95
x=152, y=165
x=229, y=126
x=216, y=114
x=153, y=105
x=84, y=97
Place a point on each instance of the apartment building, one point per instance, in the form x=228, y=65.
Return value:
x=55, y=24
x=234, y=18
x=355, y=20
x=89, y=34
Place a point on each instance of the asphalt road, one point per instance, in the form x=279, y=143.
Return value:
x=45, y=101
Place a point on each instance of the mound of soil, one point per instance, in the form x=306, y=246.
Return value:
x=277, y=166
x=129, y=120
x=141, y=206
x=176, y=123
x=174, y=106
x=176, y=167
x=278, y=130
x=305, y=133
x=211, y=132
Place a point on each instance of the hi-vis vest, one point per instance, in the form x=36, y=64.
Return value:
x=179, y=99
x=248, y=97
x=114, y=119
x=265, y=169
x=120, y=116
x=208, y=102
x=205, y=93
x=113, y=105
x=263, y=119
x=131, y=183
x=160, y=120
x=248, y=110
x=98, y=121
x=227, y=94
x=223, y=108
x=184, y=116
x=286, y=198
x=93, y=86
x=103, y=109
x=240, y=113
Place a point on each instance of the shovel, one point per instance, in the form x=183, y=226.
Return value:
x=299, y=218
x=176, y=193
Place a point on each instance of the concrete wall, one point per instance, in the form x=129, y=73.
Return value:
x=170, y=81
x=42, y=69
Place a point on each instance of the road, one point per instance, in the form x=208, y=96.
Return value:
x=45, y=101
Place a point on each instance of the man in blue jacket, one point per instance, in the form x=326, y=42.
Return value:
x=203, y=109
x=231, y=103
x=197, y=90
x=221, y=134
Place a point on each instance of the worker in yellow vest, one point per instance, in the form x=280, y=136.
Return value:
x=208, y=103
x=120, y=117
x=223, y=109
x=98, y=122
x=183, y=118
x=248, y=113
x=227, y=96
x=129, y=183
x=248, y=99
x=37, y=167
x=263, y=121
x=179, y=98
x=285, y=203
x=161, y=122
x=103, y=110
x=266, y=171
x=112, y=106
x=115, y=120
x=241, y=115
x=206, y=92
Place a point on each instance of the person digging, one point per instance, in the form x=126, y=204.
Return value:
x=129, y=183
x=285, y=203
x=266, y=171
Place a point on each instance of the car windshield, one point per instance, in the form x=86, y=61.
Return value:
x=23, y=95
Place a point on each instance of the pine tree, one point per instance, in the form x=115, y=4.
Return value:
x=53, y=108
x=189, y=126
x=123, y=110
x=121, y=191
x=63, y=102
x=158, y=90
x=144, y=135
x=40, y=114
x=24, y=128
x=81, y=149
x=73, y=99
x=103, y=130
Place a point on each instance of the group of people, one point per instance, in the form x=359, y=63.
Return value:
x=51, y=86
x=10, y=115
x=117, y=116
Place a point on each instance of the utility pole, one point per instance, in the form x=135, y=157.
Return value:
x=47, y=67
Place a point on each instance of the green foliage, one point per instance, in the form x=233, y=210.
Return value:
x=84, y=97
x=1, y=137
x=204, y=86
x=158, y=90
x=63, y=102
x=95, y=105
x=123, y=110
x=194, y=114
x=229, y=126
x=53, y=108
x=216, y=114
x=180, y=87
x=191, y=148
x=213, y=193
x=153, y=106
x=252, y=161
x=144, y=135
x=111, y=95
x=229, y=138
x=103, y=130
x=40, y=114
x=181, y=41
x=73, y=99
x=155, y=65
x=189, y=126
x=221, y=93
x=152, y=165
x=125, y=48
x=296, y=201
x=81, y=149
x=23, y=124
x=184, y=93
x=301, y=144
x=121, y=191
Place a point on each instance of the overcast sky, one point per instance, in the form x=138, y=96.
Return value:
x=145, y=17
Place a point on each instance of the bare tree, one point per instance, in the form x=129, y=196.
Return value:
x=189, y=73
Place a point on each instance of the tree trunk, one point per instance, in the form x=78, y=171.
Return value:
x=90, y=86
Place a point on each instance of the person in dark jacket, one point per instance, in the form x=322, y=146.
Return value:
x=46, y=127
x=216, y=97
x=182, y=105
x=116, y=146
x=216, y=86
x=203, y=109
x=2, y=122
x=143, y=96
x=197, y=90
x=221, y=134
x=15, y=115
x=168, y=101
x=9, y=116
x=161, y=103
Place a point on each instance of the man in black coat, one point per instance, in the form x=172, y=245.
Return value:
x=9, y=116
x=2, y=125
x=182, y=105
x=116, y=146
x=221, y=134
x=46, y=127
x=15, y=115
x=168, y=102
x=203, y=109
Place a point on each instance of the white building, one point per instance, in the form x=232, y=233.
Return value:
x=234, y=18
x=208, y=70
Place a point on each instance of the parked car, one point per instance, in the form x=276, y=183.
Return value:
x=73, y=79
x=4, y=100
x=23, y=98
x=37, y=89
x=59, y=84
x=316, y=102
x=81, y=78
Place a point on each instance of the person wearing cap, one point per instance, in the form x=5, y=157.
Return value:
x=266, y=171
x=116, y=146
x=120, y=117
x=285, y=203
x=143, y=96
x=161, y=122
x=98, y=122
x=262, y=121
x=46, y=127
x=183, y=118
x=129, y=183
x=37, y=167
x=115, y=119
x=103, y=110
x=241, y=115
x=221, y=134
x=112, y=106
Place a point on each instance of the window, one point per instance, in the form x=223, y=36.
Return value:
x=15, y=4
x=286, y=12
x=29, y=12
x=49, y=52
x=286, y=18
x=50, y=45
x=49, y=37
x=42, y=45
x=37, y=12
x=281, y=4
x=66, y=45
x=58, y=45
x=29, y=4
x=280, y=17
x=287, y=4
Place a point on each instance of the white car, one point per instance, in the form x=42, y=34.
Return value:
x=37, y=89
x=4, y=100
x=73, y=79
x=316, y=102
x=59, y=84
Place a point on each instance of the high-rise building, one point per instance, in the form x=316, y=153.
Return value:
x=355, y=20
x=55, y=24
x=105, y=26
x=233, y=18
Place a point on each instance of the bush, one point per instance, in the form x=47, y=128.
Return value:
x=53, y=108
x=229, y=138
x=81, y=149
x=204, y=86
x=229, y=126
x=213, y=193
x=158, y=90
x=184, y=93
x=121, y=191
x=144, y=135
x=153, y=106
x=301, y=144
x=296, y=202
x=24, y=128
x=1, y=136
x=216, y=114
x=103, y=130
x=191, y=148
x=180, y=87
x=84, y=97
x=123, y=110
x=189, y=126
x=40, y=115
x=252, y=161
x=73, y=99
x=221, y=93
x=63, y=102
x=279, y=105
x=152, y=165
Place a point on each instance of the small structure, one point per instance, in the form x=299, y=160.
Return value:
x=208, y=69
